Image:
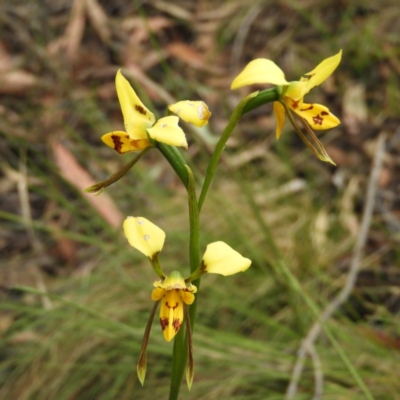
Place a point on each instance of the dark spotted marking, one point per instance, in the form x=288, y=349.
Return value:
x=163, y=323
x=318, y=120
x=117, y=143
x=140, y=109
x=176, y=324
x=324, y=113
x=308, y=77
x=309, y=108
x=173, y=307
x=295, y=104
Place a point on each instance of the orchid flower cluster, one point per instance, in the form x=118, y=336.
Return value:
x=176, y=294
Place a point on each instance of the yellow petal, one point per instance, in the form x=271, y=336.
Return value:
x=321, y=72
x=195, y=112
x=187, y=296
x=137, y=118
x=171, y=314
x=157, y=293
x=279, y=112
x=260, y=71
x=317, y=116
x=123, y=143
x=220, y=258
x=166, y=130
x=143, y=235
x=297, y=90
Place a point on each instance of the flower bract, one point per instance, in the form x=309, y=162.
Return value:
x=140, y=124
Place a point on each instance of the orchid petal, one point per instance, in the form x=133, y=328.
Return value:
x=137, y=118
x=187, y=297
x=166, y=130
x=123, y=143
x=279, y=112
x=195, y=112
x=260, y=70
x=171, y=314
x=157, y=293
x=321, y=72
x=143, y=235
x=220, y=258
x=317, y=116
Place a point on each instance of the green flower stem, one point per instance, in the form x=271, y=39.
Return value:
x=194, y=213
x=156, y=266
x=249, y=103
x=180, y=351
x=118, y=175
x=174, y=157
x=263, y=97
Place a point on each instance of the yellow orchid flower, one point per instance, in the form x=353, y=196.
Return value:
x=195, y=112
x=140, y=124
x=219, y=258
x=173, y=291
x=317, y=116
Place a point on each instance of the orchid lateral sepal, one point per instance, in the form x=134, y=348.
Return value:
x=312, y=142
x=190, y=364
x=142, y=362
x=100, y=186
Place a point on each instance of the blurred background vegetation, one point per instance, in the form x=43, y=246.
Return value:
x=58, y=61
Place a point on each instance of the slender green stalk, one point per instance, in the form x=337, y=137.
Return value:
x=194, y=240
x=249, y=103
x=263, y=97
x=176, y=160
x=180, y=351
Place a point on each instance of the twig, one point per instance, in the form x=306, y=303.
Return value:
x=318, y=375
x=342, y=296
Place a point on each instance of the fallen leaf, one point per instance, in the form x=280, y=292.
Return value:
x=17, y=82
x=75, y=174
